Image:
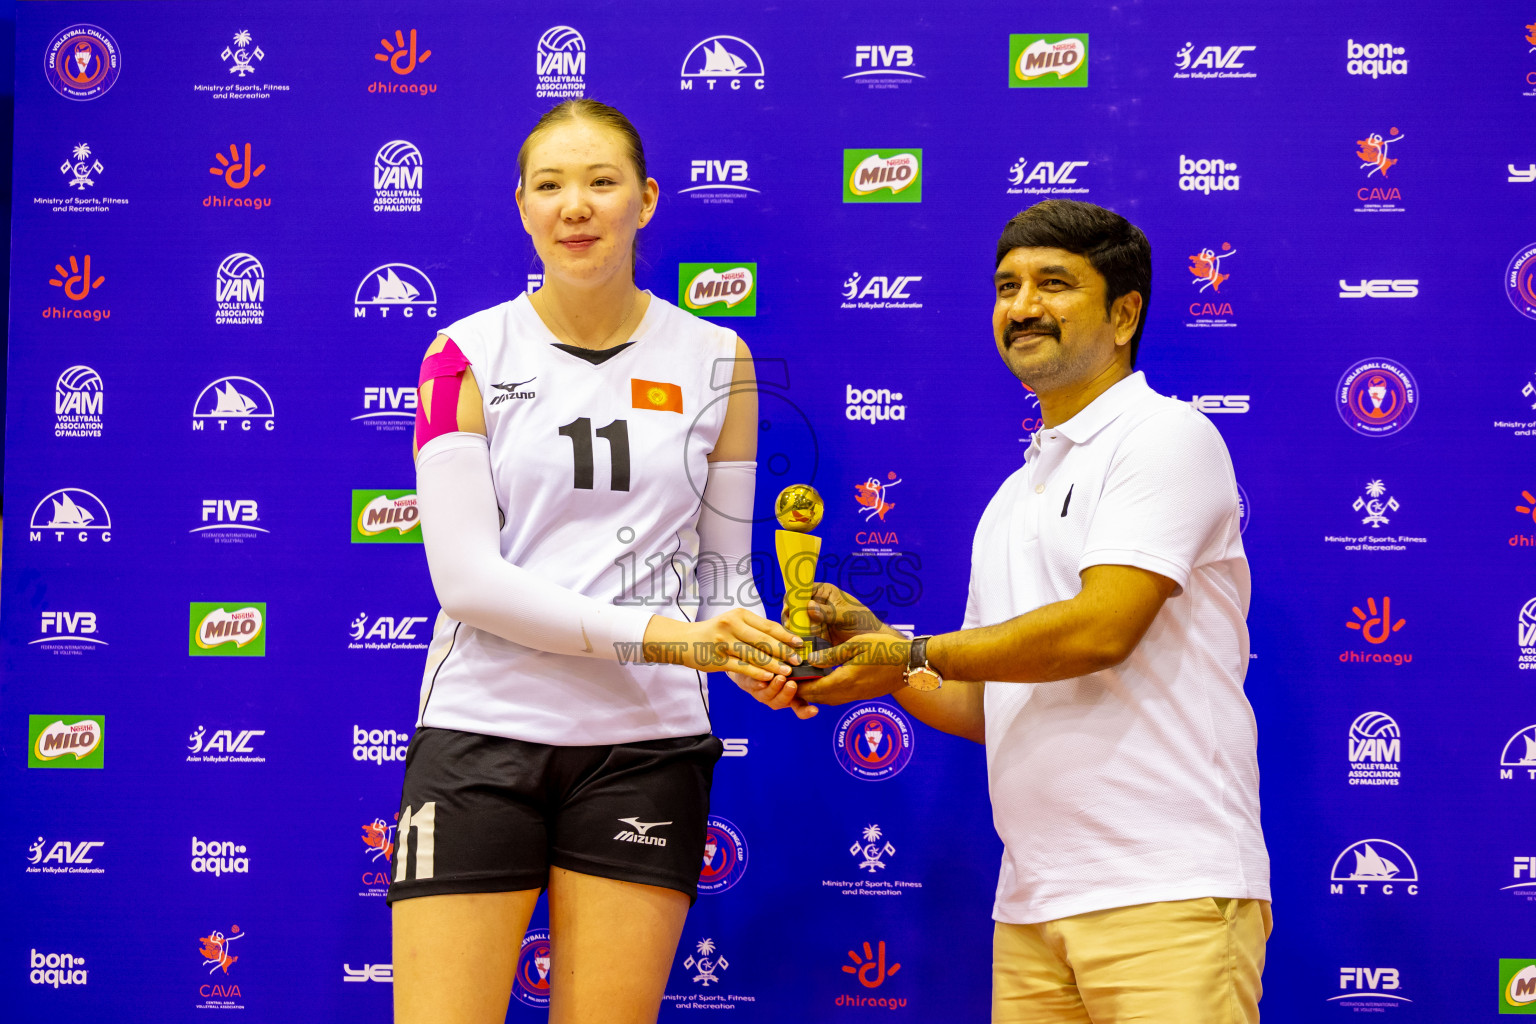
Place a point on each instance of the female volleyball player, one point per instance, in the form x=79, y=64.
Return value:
x=563, y=738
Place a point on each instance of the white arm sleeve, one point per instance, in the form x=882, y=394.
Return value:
x=724, y=569
x=478, y=587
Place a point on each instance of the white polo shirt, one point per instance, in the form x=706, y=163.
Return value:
x=1139, y=783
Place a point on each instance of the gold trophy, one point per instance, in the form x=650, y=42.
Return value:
x=798, y=509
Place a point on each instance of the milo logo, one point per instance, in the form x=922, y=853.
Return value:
x=882, y=176
x=233, y=629
x=718, y=289
x=65, y=741
x=389, y=517
x=1047, y=60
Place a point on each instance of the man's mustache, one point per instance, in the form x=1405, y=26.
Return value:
x=1034, y=325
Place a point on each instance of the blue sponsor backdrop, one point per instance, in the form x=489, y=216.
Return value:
x=1325, y=187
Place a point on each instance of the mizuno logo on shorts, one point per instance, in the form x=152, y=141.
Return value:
x=636, y=833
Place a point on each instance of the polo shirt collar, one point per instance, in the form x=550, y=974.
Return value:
x=1105, y=409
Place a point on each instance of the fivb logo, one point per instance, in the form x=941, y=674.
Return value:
x=1045, y=177
x=1380, y=288
x=397, y=174
x=1207, y=176
x=239, y=289
x=560, y=61
x=229, y=520
x=74, y=513
x=378, y=745
x=1525, y=878
x=386, y=408
x=395, y=286
x=1375, y=750
x=882, y=66
x=1375, y=59
x=880, y=292
x=216, y=858
x=233, y=629
x=718, y=181
x=385, y=517
x=874, y=404
x=1212, y=62
x=234, y=399
x=723, y=58
x=1369, y=983
x=882, y=175
x=718, y=289
x=67, y=631
x=77, y=403
x=1050, y=61
x=1374, y=865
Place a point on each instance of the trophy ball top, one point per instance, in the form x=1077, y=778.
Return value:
x=798, y=508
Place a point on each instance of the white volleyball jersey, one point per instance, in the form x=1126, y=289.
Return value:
x=598, y=471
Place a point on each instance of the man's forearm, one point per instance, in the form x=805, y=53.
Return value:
x=1057, y=641
x=956, y=708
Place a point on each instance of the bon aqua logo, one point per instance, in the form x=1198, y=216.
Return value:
x=882, y=175
x=385, y=517
x=718, y=289
x=228, y=629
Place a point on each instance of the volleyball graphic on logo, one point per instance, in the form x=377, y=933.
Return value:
x=873, y=742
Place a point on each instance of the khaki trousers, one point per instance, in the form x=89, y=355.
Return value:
x=1183, y=962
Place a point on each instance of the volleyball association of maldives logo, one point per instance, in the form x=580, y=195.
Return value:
x=82, y=62
x=531, y=983
x=1377, y=397
x=1520, y=281
x=725, y=856
x=873, y=742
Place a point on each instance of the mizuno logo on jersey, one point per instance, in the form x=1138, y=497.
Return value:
x=510, y=391
x=636, y=833
x=651, y=394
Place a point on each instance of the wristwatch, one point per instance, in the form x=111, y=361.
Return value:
x=920, y=675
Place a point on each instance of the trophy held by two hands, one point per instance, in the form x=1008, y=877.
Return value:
x=798, y=509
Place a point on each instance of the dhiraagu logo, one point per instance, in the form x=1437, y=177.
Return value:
x=236, y=629
x=385, y=517
x=66, y=741
x=1049, y=61
x=1517, y=985
x=882, y=175
x=718, y=289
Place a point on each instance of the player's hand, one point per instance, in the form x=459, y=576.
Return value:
x=839, y=616
x=869, y=665
x=736, y=641
x=778, y=694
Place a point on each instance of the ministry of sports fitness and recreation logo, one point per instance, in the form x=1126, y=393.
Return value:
x=725, y=856
x=1046, y=178
x=225, y=746
x=82, y=62
x=78, y=398
x=76, y=283
x=385, y=517
x=1519, y=756
x=227, y=629
x=1374, y=865
x=1520, y=281
x=239, y=289
x=882, y=175
x=71, y=514
x=1375, y=750
x=80, y=170
x=230, y=400
x=881, y=291
x=388, y=409
x=530, y=985
x=238, y=169
x=66, y=741
x=1376, y=625
x=1212, y=62
x=1517, y=981
x=1377, y=158
x=239, y=60
x=217, y=952
x=1377, y=397
x=717, y=182
x=1209, y=271
x=378, y=853
x=68, y=633
x=718, y=289
x=397, y=174
x=873, y=741
x=723, y=59
x=80, y=166
x=1375, y=60
x=64, y=857
x=1047, y=61
x=403, y=53
x=560, y=61
x=882, y=67
x=1376, y=508
x=397, y=286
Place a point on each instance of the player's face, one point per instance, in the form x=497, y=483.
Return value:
x=1049, y=322
x=582, y=202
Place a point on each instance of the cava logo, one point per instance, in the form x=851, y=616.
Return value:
x=1375, y=750
x=82, y=62
x=77, y=403
x=234, y=400
x=239, y=288
x=882, y=67
x=1212, y=62
x=403, y=54
x=68, y=633
x=397, y=172
x=880, y=292
x=1378, y=195
x=1046, y=178
x=387, y=517
x=718, y=289
x=379, y=745
x=76, y=283
x=388, y=409
x=1207, y=176
x=560, y=61
x=63, y=858
x=397, y=286
x=224, y=746
x=73, y=514
x=1211, y=308
x=1375, y=59
x=215, y=948
x=216, y=858
x=723, y=59
x=229, y=520
x=55, y=969
x=1374, y=865
x=882, y=176
x=237, y=629
x=1050, y=61
x=66, y=741
x=717, y=182
x=874, y=404
x=387, y=633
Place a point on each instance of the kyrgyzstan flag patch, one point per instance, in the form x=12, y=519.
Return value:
x=653, y=394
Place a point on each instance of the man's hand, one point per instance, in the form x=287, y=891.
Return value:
x=871, y=665
x=839, y=617
x=778, y=693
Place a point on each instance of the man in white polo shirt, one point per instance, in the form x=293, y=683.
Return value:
x=1107, y=602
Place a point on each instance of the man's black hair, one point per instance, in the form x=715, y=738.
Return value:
x=1114, y=246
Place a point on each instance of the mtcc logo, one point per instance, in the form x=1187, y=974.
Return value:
x=1212, y=62
x=725, y=856
x=397, y=174
x=873, y=742
x=1375, y=59
x=728, y=58
x=74, y=513
x=239, y=289
x=1374, y=865
x=395, y=286
x=560, y=61
x=1519, y=753
x=233, y=399
x=531, y=982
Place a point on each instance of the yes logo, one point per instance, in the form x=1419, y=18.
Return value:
x=718, y=289
x=882, y=175
x=1049, y=61
x=236, y=629
x=385, y=517
x=66, y=741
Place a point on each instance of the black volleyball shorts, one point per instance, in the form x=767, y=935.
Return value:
x=489, y=814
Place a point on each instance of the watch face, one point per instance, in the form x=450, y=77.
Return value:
x=924, y=680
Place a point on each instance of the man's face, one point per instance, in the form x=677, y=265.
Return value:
x=1049, y=320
